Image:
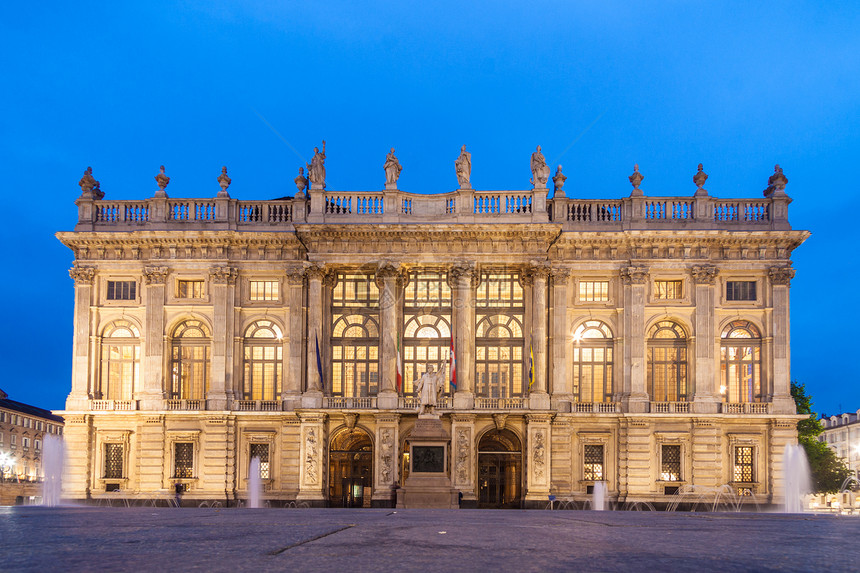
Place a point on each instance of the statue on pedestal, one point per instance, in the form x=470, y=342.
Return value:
x=224, y=181
x=558, y=180
x=429, y=390
x=162, y=181
x=392, y=169
x=540, y=170
x=301, y=182
x=316, y=168
x=463, y=167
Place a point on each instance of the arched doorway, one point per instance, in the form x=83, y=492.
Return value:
x=500, y=463
x=350, y=468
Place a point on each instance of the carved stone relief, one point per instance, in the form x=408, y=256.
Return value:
x=539, y=455
x=82, y=275
x=223, y=275
x=704, y=274
x=386, y=456
x=311, y=457
x=781, y=275
x=155, y=275
x=462, y=461
x=634, y=275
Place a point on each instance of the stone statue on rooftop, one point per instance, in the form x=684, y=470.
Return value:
x=316, y=168
x=224, y=181
x=776, y=183
x=463, y=166
x=636, y=178
x=558, y=180
x=90, y=188
x=429, y=389
x=162, y=181
x=392, y=169
x=301, y=182
x=540, y=170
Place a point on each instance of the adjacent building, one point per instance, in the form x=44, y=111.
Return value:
x=842, y=434
x=642, y=342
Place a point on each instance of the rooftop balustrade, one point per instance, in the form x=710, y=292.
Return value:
x=464, y=206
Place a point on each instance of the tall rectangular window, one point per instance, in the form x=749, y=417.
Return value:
x=740, y=290
x=183, y=460
x=743, y=464
x=593, y=291
x=668, y=290
x=113, y=461
x=500, y=366
x=264, y=290
x=121, y=290
x=189, y=289
x=670, y=462
x=593, y=463
x=261, y=451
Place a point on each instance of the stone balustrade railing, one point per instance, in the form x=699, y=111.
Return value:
x=461, y=206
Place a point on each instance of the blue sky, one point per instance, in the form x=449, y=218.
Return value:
x=126, y=87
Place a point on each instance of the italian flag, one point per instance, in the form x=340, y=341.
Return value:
x=453, y=368
x=399, y=378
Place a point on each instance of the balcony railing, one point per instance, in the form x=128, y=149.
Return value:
x=501, y=403
x=670, y=407
x=113, y=405
x=745, y=408
x=595, y=407
x=349, y=403
x=258, y=405
x=175, y=404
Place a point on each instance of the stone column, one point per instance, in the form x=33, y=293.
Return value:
x=387, y=457
x=706, y=398
x=464, y=456
x=537, y=464
x=536, y=275
x=780, y=279
x=81, y=389
x=152, y=395
x=293, y=381
x=460, y=278
x=312, y=398
x=634, y=279
x=313, y=467
x=386, y=279
x=222, y=280
x=559, y=353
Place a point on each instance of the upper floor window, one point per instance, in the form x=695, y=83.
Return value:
x=121, y=290
x=120, y=365
x=592, y=362
x=668, y=290
x=498, y=290
x=190, y=289
x=355, y=355
x=667, y=362
x=740, y=362
x=264, y=290
x=263, y=361
x=190, y=361
x=740, y=290
x=593, y=291
x=354, y=289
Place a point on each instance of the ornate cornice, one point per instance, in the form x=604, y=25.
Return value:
x=223, y=274
x=704, y=274
x=634, y=275
x=83, y=275
x=781, y=275
x=155, y=275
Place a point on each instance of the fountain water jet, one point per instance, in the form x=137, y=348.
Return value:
x=255, y=484
x=798, y=481
x=52, y=466
x=598, y=497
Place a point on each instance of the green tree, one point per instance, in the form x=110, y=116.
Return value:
x=828, y=471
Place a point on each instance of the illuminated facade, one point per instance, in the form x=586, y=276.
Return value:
x=842, y=434
x=641, y=341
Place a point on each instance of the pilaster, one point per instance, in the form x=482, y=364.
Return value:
x=293, y=380
x=386, y=279
x=79, y=449
x=312, y=469
x=222, y=279
x=634, y=279
x=461, y=278
x=559, y=354
x=312, y=397
x=152, y=395
x=538, y=462
x=464, y=455
x=386, y=462
x=80, y=394
x=537, y=275
x=780, y=280
x=706, y=395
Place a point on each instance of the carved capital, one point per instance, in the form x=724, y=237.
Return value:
x=295, y=273
x=781, y=275
x=387, y=270
x=83, y=275
x=536, y=270
x=559, y=276
x=223, y=275
x=155, y=275
x=461, y=272
x=315, y=271
x=634, y=275
x=704, y=274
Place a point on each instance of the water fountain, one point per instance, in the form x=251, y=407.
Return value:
x=798, y=482
x=255, y=484
x=598, y=498
x=52, y=466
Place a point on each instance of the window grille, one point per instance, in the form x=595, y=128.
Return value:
x=593, y=463
x=743, y=464
x=668, y=289
x=113, y=460
x=740, y=290
x=670, y=465
x=121, y=290
x=183, y=458
x=261, y=451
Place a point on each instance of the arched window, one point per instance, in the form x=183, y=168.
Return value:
x=120, y=369
x=355, y=356
x=740, y=362
x=667, y=362
x=499, y=357
x=264, y=356
x=426, y=340
x=592, y=362
x=190, y=361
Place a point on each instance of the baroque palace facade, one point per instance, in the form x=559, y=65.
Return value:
x=642, y=342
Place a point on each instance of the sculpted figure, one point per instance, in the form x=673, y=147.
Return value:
x=463, y=166
x=392, y=169
x=316, y=168
x=429, y=389
x=540, y=170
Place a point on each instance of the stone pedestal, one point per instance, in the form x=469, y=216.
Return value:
x=428, y=484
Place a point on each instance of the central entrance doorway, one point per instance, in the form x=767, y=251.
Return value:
x=499, y=470
x=350, y=469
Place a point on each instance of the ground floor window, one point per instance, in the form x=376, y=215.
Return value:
x=593, y=463
x=670, y=462
x=113, y=461
x=183, y=460
x=743, y=471
x=261, y=451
